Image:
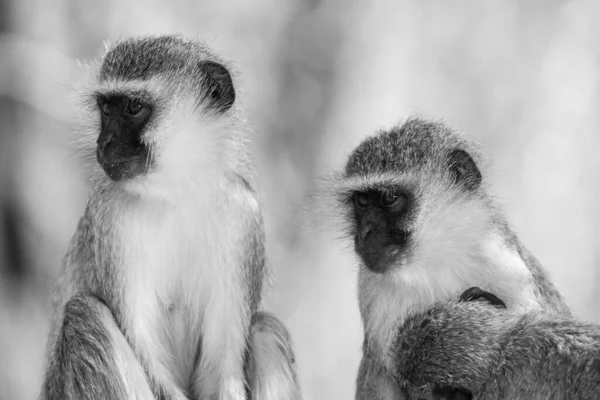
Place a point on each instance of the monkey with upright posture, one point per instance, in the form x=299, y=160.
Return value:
x=425, y=229
x=474, y=348
x=160, y=291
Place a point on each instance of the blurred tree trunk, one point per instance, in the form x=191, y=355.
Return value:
x=309, y=58
x=12, y=259
x=306, y=91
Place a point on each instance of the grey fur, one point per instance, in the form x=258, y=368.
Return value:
x=180, y=61
x=271, y=368
x=145, y=58
x=81, y=351
x=83, y=363
x=498, y=354
x=420, y=149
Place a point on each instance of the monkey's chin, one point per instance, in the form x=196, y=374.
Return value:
x=125, y=170
x=120, y=164
x=393, y=258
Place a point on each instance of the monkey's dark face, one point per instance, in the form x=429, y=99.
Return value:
x=120, y=149
x=382, y=220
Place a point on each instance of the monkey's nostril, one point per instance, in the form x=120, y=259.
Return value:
x=105, y=143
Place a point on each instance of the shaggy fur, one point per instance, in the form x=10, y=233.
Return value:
x=467, y=350
x=177, y=254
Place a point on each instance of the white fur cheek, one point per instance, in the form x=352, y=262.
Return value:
x=192, y=157
x=445, y=258
x=458, y=248
x=186, y=155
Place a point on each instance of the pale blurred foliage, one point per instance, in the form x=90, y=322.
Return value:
x=317, y=77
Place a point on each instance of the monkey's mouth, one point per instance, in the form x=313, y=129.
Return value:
x=391, y=258
x=119, y=166
x=385, y=253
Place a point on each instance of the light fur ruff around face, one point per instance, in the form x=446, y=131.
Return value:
x=188, y=136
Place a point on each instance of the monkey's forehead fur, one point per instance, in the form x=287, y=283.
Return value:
x=145, y=57
x=417, y=144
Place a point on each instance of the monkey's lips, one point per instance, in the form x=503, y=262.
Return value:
x=119, y=168
x=386, y=261
x=382, y=258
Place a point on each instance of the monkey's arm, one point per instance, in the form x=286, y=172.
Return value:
x=91, y=358
x=463, y=350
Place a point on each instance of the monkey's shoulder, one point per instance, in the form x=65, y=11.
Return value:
x=441, y=335
x=456, y=348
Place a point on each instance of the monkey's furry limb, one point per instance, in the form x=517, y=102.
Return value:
x=94, y=361
x=463, y=350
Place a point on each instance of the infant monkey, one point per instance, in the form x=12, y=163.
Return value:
x=474, y=348
x=160, y=290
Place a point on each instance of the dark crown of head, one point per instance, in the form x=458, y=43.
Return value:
x=403, y=148
x=142, y=58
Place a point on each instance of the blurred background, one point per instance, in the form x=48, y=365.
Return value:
x=317, y=77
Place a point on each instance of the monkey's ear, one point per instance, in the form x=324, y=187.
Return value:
x=464, y=170
x=217, y=86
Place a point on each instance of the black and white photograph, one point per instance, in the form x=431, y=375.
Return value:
x=299, y=200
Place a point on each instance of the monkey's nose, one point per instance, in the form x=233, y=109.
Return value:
x=102, y=144
x=363, y=232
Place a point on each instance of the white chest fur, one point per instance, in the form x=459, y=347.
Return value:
x=387, y=300
x=169, y=250
x=182, y=261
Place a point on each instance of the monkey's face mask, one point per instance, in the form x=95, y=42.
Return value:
x=382, y=233
x=120, y=149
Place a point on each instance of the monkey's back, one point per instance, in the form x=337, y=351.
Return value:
x=498, y=354
x=546, y=357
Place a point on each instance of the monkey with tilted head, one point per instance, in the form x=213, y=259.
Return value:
x=160, y=290
x=472, y=347
x=425, y=229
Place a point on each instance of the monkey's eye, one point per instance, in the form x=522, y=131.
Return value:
x=391, y=200
x=134, y=107
x=104, y=108
x=361, y=200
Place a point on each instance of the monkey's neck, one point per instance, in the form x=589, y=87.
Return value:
x=496, y=264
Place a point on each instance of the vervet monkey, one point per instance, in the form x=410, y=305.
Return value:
x=162, y=283
x=425, y=229
x=480, y=350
